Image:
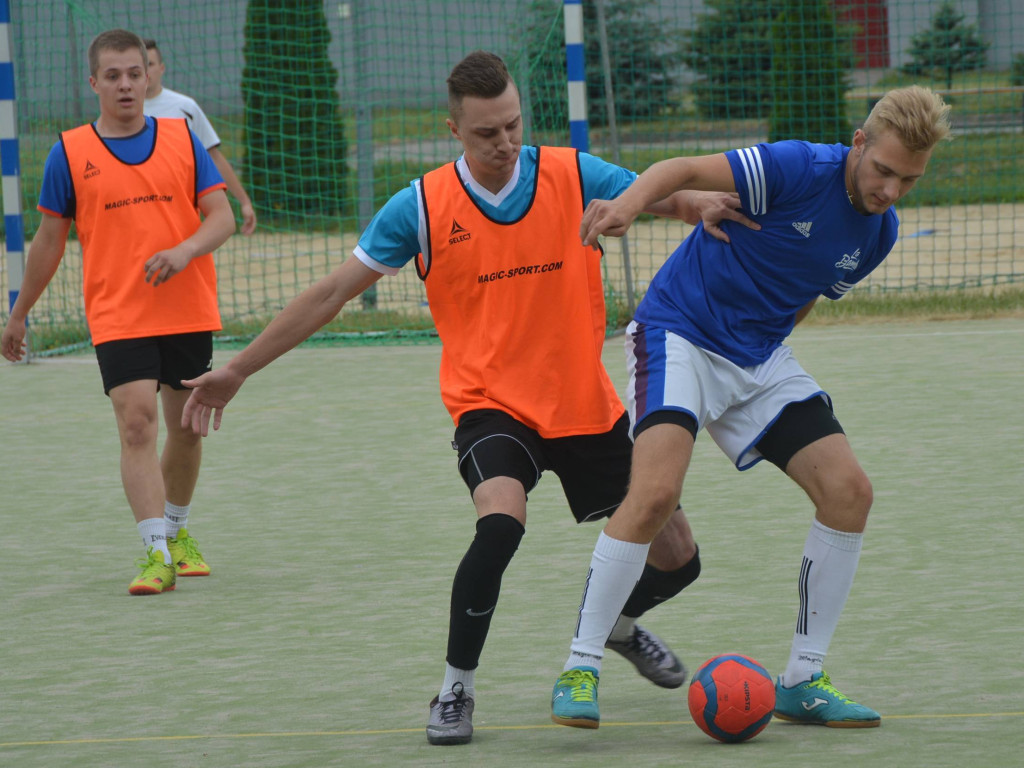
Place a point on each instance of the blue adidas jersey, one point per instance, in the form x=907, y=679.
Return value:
x=57, y=194
x=397, y=233
x=740, y=299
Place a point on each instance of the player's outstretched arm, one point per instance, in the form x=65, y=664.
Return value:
x=613, y=217
x=711, y=208
x=305, y=314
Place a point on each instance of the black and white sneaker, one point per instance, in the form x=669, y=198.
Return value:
x=651, y=657
x=451, y=722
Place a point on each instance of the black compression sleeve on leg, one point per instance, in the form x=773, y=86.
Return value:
x=476, y=587
x=656, y=586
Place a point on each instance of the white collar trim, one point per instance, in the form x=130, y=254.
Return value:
x=484, y=194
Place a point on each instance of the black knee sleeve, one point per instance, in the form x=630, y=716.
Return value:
x=476, y=587
x=657, y=586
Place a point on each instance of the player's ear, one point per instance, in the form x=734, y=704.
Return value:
x=860, y=140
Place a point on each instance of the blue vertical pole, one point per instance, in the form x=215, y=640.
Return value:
x=578, y=133
x=9, y=162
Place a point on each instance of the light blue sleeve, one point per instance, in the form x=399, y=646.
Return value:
x=391, y=238
x=603, y=180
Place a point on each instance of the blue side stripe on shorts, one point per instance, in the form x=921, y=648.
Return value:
x=649, y=348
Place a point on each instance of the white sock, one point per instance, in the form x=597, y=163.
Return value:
x=615, y=569
x=453, y=675
x=175, y=518
x=826, y=575
x=154, y=535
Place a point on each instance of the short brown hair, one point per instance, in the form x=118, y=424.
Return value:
x=151, y=45
x=917, y=116
x=481, y=74
x=114, y=40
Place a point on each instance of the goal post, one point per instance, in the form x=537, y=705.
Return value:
x=10, y=160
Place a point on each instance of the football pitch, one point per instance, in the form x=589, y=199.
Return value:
x=331, y=511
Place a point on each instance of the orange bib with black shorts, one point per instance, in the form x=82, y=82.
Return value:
x=520, y=306
x=126, y=213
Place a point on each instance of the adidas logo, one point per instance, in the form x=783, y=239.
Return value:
x=458, y=233
x=803, y=227
x=90, y=170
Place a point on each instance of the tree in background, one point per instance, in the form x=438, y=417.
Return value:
x=643, y=56
x=947, y=47
x=811, y=59
x=730, y=47
x=1017, y=70
x=294, y=141
x=1017, y=73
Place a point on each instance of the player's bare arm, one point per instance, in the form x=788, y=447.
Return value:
x=217, y=226
x=614, y=217
x=305, y=314
x=805, y=310
x=711, y=208
x=44, y=256
x=235, y=188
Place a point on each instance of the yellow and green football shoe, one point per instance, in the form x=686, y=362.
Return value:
x=188, y=560
x=156, y=576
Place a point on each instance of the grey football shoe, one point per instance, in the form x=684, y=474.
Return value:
x=451, y=722
x=651, y=657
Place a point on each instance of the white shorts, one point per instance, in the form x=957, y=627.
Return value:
x=736, y=405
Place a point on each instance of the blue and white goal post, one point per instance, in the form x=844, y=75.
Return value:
x=579, y=136
x=11, y=164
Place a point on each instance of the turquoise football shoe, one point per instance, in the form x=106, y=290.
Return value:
x=574, y=699
x=817, y=702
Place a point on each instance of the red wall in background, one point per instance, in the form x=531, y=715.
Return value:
x=871, y=41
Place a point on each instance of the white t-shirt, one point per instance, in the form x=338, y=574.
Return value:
x=170, y=103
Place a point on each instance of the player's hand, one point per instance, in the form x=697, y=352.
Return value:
x=12, y=342
x=211, y=393
x=606, y=217
x=164, y=265
x=248, y=219
x=715, y=207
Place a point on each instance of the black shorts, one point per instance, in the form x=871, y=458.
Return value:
x=168, y=359
x=593, y=469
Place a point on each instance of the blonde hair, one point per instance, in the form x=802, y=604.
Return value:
x=917, y=116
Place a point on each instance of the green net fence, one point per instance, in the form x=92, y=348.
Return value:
x=326, y=109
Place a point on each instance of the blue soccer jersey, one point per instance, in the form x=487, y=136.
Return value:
x=740, y=299
x=58, y=193
x=398, y=232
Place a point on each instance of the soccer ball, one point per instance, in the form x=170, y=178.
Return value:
x=731, y=698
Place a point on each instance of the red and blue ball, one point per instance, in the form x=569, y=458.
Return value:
x=731, y=697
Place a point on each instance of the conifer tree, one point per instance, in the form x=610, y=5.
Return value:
x=643, y=56
x=810, y=64
x=730, y=49
x=294, y=140
x=947, y=47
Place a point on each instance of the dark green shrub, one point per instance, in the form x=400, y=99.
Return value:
x=294, y=141
x=812, y=56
